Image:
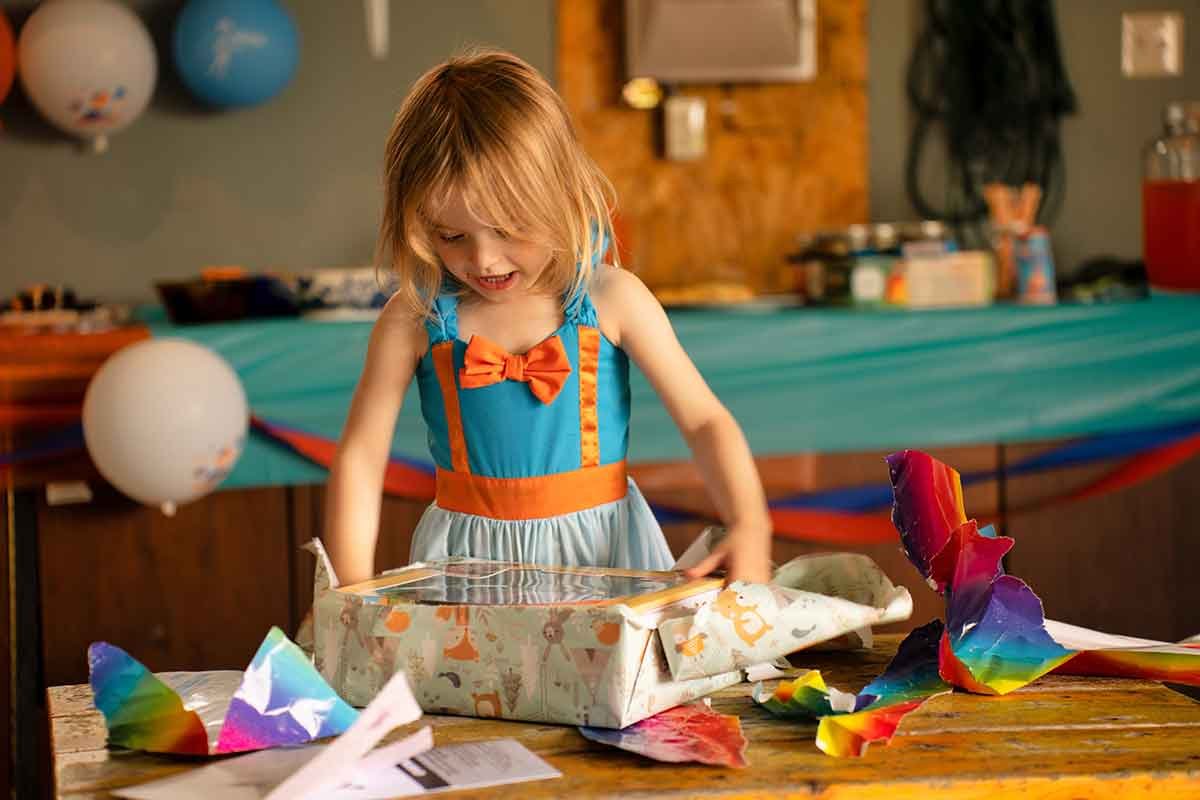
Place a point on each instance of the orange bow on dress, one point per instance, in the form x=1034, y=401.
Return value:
x=545, y=368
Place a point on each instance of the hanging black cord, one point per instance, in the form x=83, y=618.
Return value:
x=989, y=77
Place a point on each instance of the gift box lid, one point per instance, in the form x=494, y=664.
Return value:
x=470, y=582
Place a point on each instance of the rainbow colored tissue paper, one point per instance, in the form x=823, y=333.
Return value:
x=279, y=700
x=690, y=732
x=849, y=722
x=995, y=638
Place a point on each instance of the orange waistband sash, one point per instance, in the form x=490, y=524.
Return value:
x=531, y=498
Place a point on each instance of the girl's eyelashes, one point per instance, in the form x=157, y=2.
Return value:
x=451, y=238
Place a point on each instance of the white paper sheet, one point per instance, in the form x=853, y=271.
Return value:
x=471, y=765
x=1074, y=637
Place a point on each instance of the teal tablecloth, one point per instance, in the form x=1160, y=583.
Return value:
x=797, y=380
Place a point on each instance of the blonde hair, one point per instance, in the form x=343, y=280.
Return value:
x=490, y=125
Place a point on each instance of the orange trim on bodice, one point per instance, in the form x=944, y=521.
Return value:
x=531, y=498
x=589, y=417
x=443, y=362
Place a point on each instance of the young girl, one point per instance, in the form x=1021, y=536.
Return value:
x=495, y=221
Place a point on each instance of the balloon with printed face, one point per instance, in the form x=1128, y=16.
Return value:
x=8, y=56
x=165, y=421
x=233, y=53
x=88, y=66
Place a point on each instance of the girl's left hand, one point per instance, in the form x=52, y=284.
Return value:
x=745, y=552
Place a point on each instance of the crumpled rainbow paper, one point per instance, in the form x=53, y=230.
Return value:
x=995, y=638
x=279, y=700
x=692, y=732
x=849, y=722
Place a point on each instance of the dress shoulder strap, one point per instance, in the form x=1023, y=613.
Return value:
x=580, y=309
x=442, y=323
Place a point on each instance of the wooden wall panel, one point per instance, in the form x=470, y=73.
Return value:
x=8, y=700
x=307, y=524
x=397, y=521
x=196, y=591
x=783, y=158
x=1124, y=562
x=27, y=770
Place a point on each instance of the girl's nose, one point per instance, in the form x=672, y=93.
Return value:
x=487, y=252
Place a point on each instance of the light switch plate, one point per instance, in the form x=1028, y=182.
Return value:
x=684, y=135
x=1152, y=44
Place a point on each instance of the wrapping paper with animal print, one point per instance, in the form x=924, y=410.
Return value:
x=563, y=645
x=583, y=664
x=811, y=600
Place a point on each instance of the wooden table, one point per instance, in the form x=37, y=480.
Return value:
x=1059, y=738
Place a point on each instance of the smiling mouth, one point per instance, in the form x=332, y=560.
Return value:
x=496, y=282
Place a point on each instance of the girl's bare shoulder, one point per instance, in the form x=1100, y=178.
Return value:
x=621, y=300
x=615, y=286
x=400, y=327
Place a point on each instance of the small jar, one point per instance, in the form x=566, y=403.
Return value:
x=1171, y=201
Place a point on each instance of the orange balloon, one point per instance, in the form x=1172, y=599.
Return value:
x=8, y=56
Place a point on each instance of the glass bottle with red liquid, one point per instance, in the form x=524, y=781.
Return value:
x=1171, y=201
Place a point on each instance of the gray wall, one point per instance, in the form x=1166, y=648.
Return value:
x=892, y=27
x=1102, y=143
x=292, y=184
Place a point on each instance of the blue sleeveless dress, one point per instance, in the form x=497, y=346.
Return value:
x=530, y=449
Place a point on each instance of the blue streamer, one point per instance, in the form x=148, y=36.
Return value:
x=61, y=442
x=1102, y=447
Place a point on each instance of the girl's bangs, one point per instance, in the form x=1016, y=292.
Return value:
x=511, y=199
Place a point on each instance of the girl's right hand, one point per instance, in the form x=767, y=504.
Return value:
x=745, y=552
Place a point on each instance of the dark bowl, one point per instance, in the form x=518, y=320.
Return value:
x=256, y=296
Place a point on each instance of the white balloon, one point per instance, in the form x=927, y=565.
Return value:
x=88, y=66
x=165, y=421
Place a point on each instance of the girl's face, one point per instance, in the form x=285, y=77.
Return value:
x=496, y=264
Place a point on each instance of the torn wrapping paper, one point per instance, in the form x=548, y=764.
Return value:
x=762, y=672
x=811, y=599
x=349, y=769
x=279, y=700
x=995, y=638
x=1104, y=654
x=849, y=722
x=582, y=646
x=687, y=733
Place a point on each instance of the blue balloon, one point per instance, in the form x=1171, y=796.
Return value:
x=235, y=52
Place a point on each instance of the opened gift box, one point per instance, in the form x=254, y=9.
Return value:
x=576, y=645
